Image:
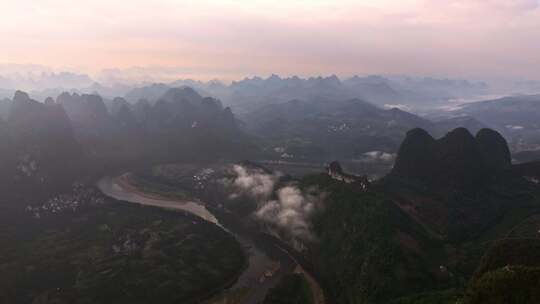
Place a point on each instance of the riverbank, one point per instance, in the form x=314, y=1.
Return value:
x=259, y=260
x=263, y=252
x=119, y=189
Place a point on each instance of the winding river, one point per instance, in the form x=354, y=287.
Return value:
x=253, y=278
x=112, y=187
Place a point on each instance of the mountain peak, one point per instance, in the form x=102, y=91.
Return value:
x=21, y=96
x=274, y=77
x=460, y=135
x=49, y=101
x=415, y=155
x=494, y=149
x=457, y=159
x=22, y=105
x=186, y=94
x=419, y=133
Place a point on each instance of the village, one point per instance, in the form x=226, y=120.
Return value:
x=80, y=195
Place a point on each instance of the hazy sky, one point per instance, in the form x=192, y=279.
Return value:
x=229, y=39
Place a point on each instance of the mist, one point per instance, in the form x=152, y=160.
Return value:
x=240, y=151
x=285, y=207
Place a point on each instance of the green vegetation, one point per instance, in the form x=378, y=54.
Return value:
x=292, y=289
x=117, y=253
x=524, y=252
x=369, y=251
x=374, y=250
x=507, y=285
x=509, y=272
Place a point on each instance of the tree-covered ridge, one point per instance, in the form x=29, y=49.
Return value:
x=415, y=238
x=369, y=250
x=109, y=252
x=509, y=272
x=506, y=285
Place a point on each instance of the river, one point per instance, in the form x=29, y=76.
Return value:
x=259, y=260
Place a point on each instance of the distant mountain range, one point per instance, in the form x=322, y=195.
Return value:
x=316, y=128
x=48, y=144
x=250, y=93
x=251, y=97
x=516, y=117
x=338, y=129
x=257, y=101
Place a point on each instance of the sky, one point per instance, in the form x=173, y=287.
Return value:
x=228, y=39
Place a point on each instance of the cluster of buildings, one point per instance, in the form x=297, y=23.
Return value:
x=338, y=128
x=80, y=195
x=200, y=178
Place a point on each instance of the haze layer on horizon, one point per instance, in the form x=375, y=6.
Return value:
x=229, y=39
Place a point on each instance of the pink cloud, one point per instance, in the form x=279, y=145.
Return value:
x=459, y=37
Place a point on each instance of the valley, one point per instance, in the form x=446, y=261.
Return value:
x=270, y=152
x=178, y=200
x=267, y=262
x=95, y=251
